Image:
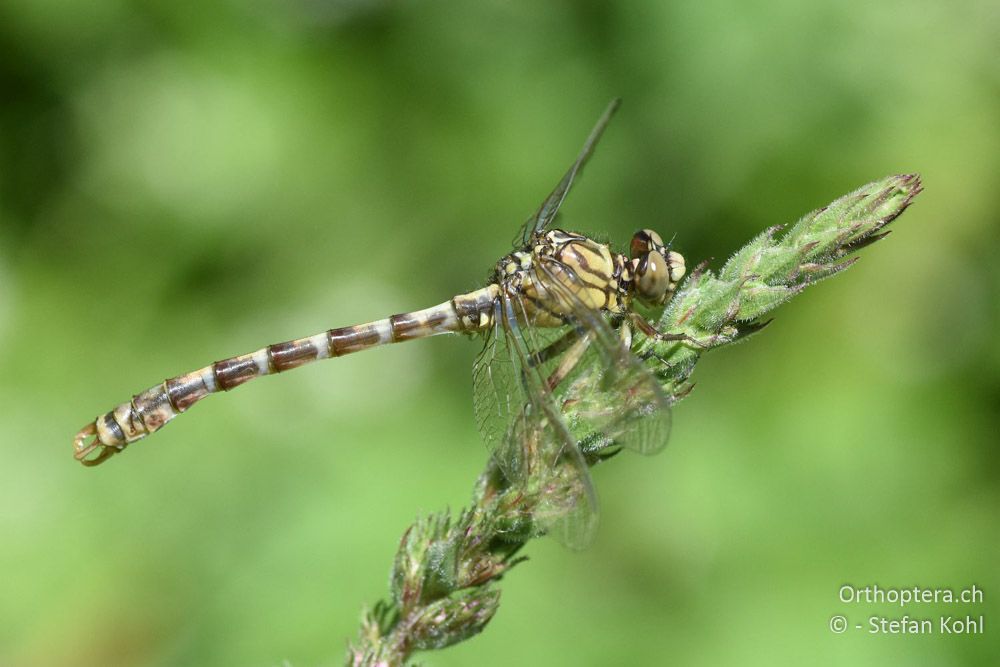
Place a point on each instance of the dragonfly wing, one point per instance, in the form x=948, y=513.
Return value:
x=498, y=396
x=522, y=426
x=546, y=213
x=609, y=398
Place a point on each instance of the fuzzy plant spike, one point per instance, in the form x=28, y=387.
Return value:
x=444, y=579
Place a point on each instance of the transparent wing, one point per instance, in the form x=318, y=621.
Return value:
x=546, y=213
x=606, y=395
x=522, y=426
x=498, y=396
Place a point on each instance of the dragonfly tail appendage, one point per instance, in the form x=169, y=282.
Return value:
x=86, y=443
x=133, y=420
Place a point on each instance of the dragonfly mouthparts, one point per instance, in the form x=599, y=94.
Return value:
x=82, y=449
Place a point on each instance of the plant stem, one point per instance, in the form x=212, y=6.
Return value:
x=443, y=586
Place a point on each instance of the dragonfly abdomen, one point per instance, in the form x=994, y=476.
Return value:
x=148, y=411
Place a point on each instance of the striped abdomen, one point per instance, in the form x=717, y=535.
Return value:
x=149, y=411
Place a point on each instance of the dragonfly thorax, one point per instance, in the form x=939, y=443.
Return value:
x=561, y=271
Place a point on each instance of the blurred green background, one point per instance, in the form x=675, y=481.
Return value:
x=182, y=182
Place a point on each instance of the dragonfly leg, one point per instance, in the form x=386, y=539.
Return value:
x=650, y=331
x=568, y=362
x=625, y=334
x=554, y=348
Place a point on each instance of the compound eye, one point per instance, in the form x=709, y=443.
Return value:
x=652, y=277
x=644, y=241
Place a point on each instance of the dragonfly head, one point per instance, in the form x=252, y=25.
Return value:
x=89, y=449
x=656, y=269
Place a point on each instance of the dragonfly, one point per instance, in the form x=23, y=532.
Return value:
x=558, y=308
